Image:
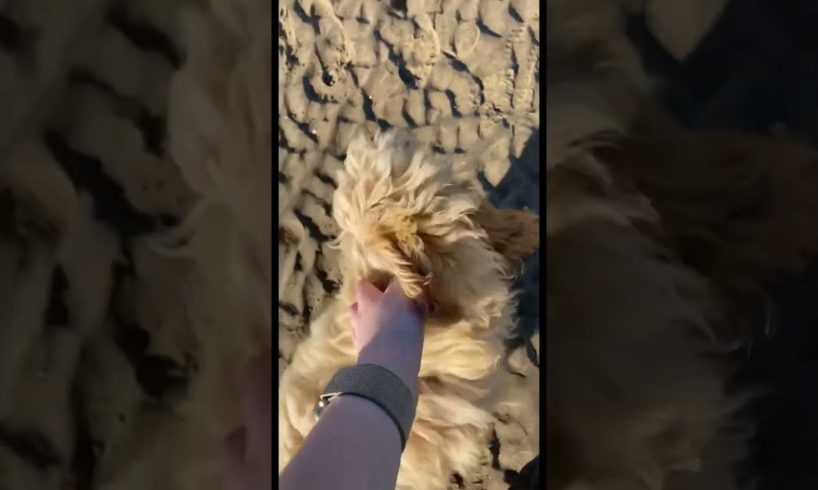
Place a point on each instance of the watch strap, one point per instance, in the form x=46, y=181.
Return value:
x=378, y=385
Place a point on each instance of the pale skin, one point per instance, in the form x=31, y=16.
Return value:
x=355, y=444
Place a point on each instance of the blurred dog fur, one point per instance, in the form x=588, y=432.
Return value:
x=221, y=138
x=404, y=215
x=655, y=238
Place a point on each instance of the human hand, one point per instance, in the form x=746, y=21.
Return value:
x=248, y=450
x=387, y=330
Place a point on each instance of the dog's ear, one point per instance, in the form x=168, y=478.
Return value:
x=514, y=233
x=403, y=257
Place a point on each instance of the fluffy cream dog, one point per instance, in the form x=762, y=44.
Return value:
x=404, y=215
x=655, y=236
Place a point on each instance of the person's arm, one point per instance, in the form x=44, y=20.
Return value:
x=356, y=444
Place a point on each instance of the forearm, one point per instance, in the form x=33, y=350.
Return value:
x=354, y=445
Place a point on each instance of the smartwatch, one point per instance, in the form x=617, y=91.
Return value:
x=378, y=385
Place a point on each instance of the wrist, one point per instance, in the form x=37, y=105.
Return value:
x=402, y=365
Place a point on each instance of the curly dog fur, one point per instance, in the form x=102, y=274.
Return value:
x=655, y=237
x=423, y=222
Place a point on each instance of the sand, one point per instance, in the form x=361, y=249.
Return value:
x=463, y=76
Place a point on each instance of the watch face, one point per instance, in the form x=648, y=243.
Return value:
x=319, y=408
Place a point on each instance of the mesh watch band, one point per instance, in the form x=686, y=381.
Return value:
x=378, y=385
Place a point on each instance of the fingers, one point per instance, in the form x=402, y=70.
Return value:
x=394, y=292
x=394, y=289
x=367, y=294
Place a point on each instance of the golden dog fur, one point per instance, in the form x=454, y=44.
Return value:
x=404, y=215
x=654, y=234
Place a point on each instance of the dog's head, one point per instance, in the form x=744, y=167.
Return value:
x=423, y=222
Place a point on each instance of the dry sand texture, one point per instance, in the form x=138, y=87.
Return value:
x=463, y=75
